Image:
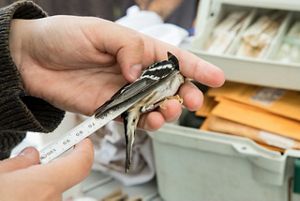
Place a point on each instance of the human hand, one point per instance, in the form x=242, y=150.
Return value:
x=23, y=178
x=78, y=63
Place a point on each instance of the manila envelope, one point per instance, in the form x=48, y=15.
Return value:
x=208, y=104
x=257, y=118
x=223, y=126
x=278, y=101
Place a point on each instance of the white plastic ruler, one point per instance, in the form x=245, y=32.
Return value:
x=76, y=135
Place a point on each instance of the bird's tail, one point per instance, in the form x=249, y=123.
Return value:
x=128, y=154
x=130, y=123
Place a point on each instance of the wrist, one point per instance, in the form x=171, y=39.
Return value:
x=15, y=42
x=22, y=39
x=9, y=16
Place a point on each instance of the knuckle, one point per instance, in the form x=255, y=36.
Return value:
x=137, y=39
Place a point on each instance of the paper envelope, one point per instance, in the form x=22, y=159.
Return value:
x=257, y=118
x=278, y=101
x=208, y=104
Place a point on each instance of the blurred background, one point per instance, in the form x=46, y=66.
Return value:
x=179, y=12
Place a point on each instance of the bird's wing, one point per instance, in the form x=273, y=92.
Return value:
x=159, y=70
x=129, y=92
x=138, y=89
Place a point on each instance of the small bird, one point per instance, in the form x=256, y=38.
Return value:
x=158, y=83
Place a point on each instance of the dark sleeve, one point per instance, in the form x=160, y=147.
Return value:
x=18, y=111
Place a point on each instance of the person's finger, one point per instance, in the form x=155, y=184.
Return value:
x=127, y=45
x=191, y=66
x=151, y=121
x=201, y=70
x=171, y=110
x=69, y=170
x=28, y=157
x=191, y=95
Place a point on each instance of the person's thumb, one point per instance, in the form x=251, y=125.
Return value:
x=126, y=45
x=28, y=157
x=64, y=172
x=130, y=58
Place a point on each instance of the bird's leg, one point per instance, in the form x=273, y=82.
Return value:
x=176, y=97
x=162, y=103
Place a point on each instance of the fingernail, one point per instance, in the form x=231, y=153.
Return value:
x=26, y=151
x=135, y=71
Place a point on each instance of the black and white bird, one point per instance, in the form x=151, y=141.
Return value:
x=160, y=81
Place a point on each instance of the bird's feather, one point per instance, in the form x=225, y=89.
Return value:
x=129, y=93
x=133, y=92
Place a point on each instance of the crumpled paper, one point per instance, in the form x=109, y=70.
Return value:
x=152, y=25
x=110, y=147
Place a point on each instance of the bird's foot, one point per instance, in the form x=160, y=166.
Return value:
x=163, y=102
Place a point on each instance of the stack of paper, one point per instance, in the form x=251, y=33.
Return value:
x=226, y=31
x=258, y=37
x=268, y=116
x=290, y=48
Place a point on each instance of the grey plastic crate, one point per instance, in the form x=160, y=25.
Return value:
x=193, y=165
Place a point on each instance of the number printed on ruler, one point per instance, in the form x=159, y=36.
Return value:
x=71, y=138
x=78, y=133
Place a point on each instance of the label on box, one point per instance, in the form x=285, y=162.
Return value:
x=267, y=96
x=275, y=140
